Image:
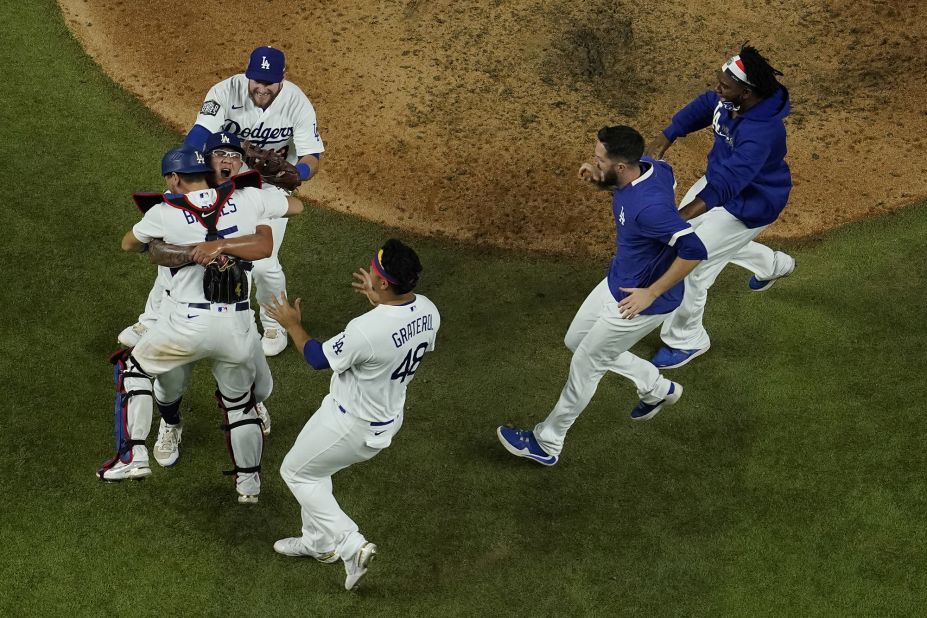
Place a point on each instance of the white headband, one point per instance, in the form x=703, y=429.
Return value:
x=736, y=69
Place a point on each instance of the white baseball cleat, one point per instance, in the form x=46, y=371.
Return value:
x=132, y=471
x=356, y=567
x=264, y=415
x=247, y=499
x=167, y=446
x=274, y=341
x=130, y=336
x=294, y=546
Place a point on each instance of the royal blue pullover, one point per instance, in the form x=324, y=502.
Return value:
x=747, y=173
x=650, y=235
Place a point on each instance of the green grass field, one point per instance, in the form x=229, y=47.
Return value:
x=790, y=479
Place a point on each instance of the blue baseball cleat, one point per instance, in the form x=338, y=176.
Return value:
x=521, y=443
x=670, y=358
x=646, y=411
x=761, y=285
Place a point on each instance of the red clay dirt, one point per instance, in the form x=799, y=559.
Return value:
x=469, y=118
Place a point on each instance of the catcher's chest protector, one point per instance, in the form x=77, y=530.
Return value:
x=208, y=217
x=225, y=279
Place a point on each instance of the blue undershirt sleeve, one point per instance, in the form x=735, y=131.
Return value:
x=197, y=137
x=314, y=355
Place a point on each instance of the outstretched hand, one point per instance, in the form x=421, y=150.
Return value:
x=363, y=284
x=289, y=316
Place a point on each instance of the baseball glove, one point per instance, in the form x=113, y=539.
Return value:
x=226, y=280
x=273, y=166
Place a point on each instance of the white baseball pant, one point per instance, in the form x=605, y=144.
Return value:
x=155, y=297
x=331, y=440
x=183, y=336
x=600, y=339
x=170, y=386
x=267, y=275
x=727, y=239
x=755, y=257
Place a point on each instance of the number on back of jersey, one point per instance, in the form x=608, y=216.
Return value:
x=410, y=363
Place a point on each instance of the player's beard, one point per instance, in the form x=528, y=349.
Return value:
x=609, y=178
x=263, y=98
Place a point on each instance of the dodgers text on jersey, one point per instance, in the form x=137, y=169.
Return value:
x=260, y=134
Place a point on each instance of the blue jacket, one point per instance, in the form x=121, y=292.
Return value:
x=747, y=173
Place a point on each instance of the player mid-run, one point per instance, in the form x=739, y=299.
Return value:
x=654, y=250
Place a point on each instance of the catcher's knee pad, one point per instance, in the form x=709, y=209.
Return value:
x=131, y=382
x=243, y=436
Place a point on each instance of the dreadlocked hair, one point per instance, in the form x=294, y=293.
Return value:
x=759, y=71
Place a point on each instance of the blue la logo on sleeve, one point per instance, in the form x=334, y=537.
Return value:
x=338, y=346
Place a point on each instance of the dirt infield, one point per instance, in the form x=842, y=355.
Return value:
x=468, y=118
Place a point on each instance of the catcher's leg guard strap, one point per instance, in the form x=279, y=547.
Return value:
x=133, y=394
x=243, y=435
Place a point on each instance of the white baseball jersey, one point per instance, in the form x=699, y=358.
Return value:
x=288, y=124
x=376, y=357
x=242, y=213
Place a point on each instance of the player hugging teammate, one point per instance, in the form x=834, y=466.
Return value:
x=215, y=224
x=212, y=234
x=277, y=124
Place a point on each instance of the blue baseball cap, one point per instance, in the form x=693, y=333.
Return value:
x=266, y=65
x=184, y=160
x=223, y=139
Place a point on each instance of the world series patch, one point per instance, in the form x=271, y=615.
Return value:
x=210, y=108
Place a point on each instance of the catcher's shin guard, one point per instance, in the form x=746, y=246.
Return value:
x=133, y=385
x=243, y=435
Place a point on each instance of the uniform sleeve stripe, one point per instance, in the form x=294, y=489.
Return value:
x=677, y=235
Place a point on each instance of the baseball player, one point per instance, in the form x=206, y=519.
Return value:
x=226, y=157
x=745, y=187
x=654, y=250
x=372, y=360
x=197, y=327
x=261, y=106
